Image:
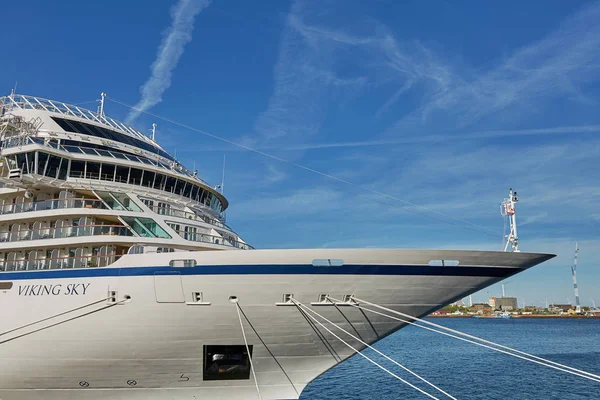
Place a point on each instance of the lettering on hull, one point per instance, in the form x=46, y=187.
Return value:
x=71, y=289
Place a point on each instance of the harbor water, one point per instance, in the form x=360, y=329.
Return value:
x=467, y=371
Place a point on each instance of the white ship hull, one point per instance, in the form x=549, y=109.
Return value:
x=151, y=347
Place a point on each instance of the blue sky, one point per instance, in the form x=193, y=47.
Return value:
x=444, y=104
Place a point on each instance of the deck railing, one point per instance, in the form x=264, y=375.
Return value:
x=65, y=232
x=204, y=238
x=171, y=212
x=35, y=264
x=50, y=204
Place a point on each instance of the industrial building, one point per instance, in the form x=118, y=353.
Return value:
x=504, y=303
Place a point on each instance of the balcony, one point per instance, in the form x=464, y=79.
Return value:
x=64, y=232
x=51, y=204
x=40, y=264
x=204, y=238
x=188, y=215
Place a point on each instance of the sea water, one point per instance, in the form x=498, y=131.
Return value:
x=467, y=371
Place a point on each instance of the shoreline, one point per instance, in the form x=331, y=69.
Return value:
x=520, y=316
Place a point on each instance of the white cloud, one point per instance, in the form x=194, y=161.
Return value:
x=183, y=15
x=560, y=64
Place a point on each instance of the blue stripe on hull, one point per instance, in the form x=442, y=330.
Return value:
x=265, y=270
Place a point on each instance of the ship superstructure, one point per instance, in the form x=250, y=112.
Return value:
x=82, y=189
x=120, y=279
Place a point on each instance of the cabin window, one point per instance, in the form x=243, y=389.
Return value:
x=53, y=166
x=327, y=262
x=190, y=263
x=92, y=170
x=148, y=179
x=170, y=185
x=42, y=159
x=226, y=362
x=22, y=162
x=179, y=187
x=63, y=169
x=187, y=190
x=135, y=176
x=77, y=169
x=122, y=174
x=164, y=209
x=194, y=193
x=159, y=182
x=443, y=263
x=108, y=172
x=149, y=203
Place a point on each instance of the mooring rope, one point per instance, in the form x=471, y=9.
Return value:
x=269, y=350
x=384, y=355
x=546, y=363
x=363, y=355
x=237, y=307
x=64, y=321
x=52, y=317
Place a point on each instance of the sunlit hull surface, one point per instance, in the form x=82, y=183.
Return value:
x=153, y=346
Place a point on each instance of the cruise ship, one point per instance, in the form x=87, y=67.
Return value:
x=120, y=278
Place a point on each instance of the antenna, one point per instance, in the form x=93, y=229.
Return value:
x=14, y=91
x=223, y=176
x=507, y=209
x=102, y=98
x=574, y=272
x=593, y=303
x=153, y=131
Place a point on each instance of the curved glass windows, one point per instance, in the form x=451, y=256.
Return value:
x=121, y=174
x=170, y=185
x=108, y=172
x=92, y=170
x=77, y=168
x=148, y=179
x=120, y=155
x=135, y=176
x=70, y=125
x=56, y=167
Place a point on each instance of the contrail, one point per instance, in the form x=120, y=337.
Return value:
x=183, y=15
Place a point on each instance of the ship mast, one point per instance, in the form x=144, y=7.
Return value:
x=508, y=210
x=574, y=271
x=102, y=98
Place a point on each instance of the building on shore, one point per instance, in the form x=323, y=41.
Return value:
x=560, y=307
x=481, y=308
x=504, y=303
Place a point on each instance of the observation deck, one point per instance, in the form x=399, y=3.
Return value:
x=79, y=189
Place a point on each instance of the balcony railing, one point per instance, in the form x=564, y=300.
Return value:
x=65, y=232
x=188, y=215
x=19, y=141
x=204, y=238
x=36, y=264
x=51, y=204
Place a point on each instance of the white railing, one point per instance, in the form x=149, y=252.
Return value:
x=58, y=263
x=65, y=232
x=22, y=102
x=204, y=238
x=50, y=204
x=188, y=215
